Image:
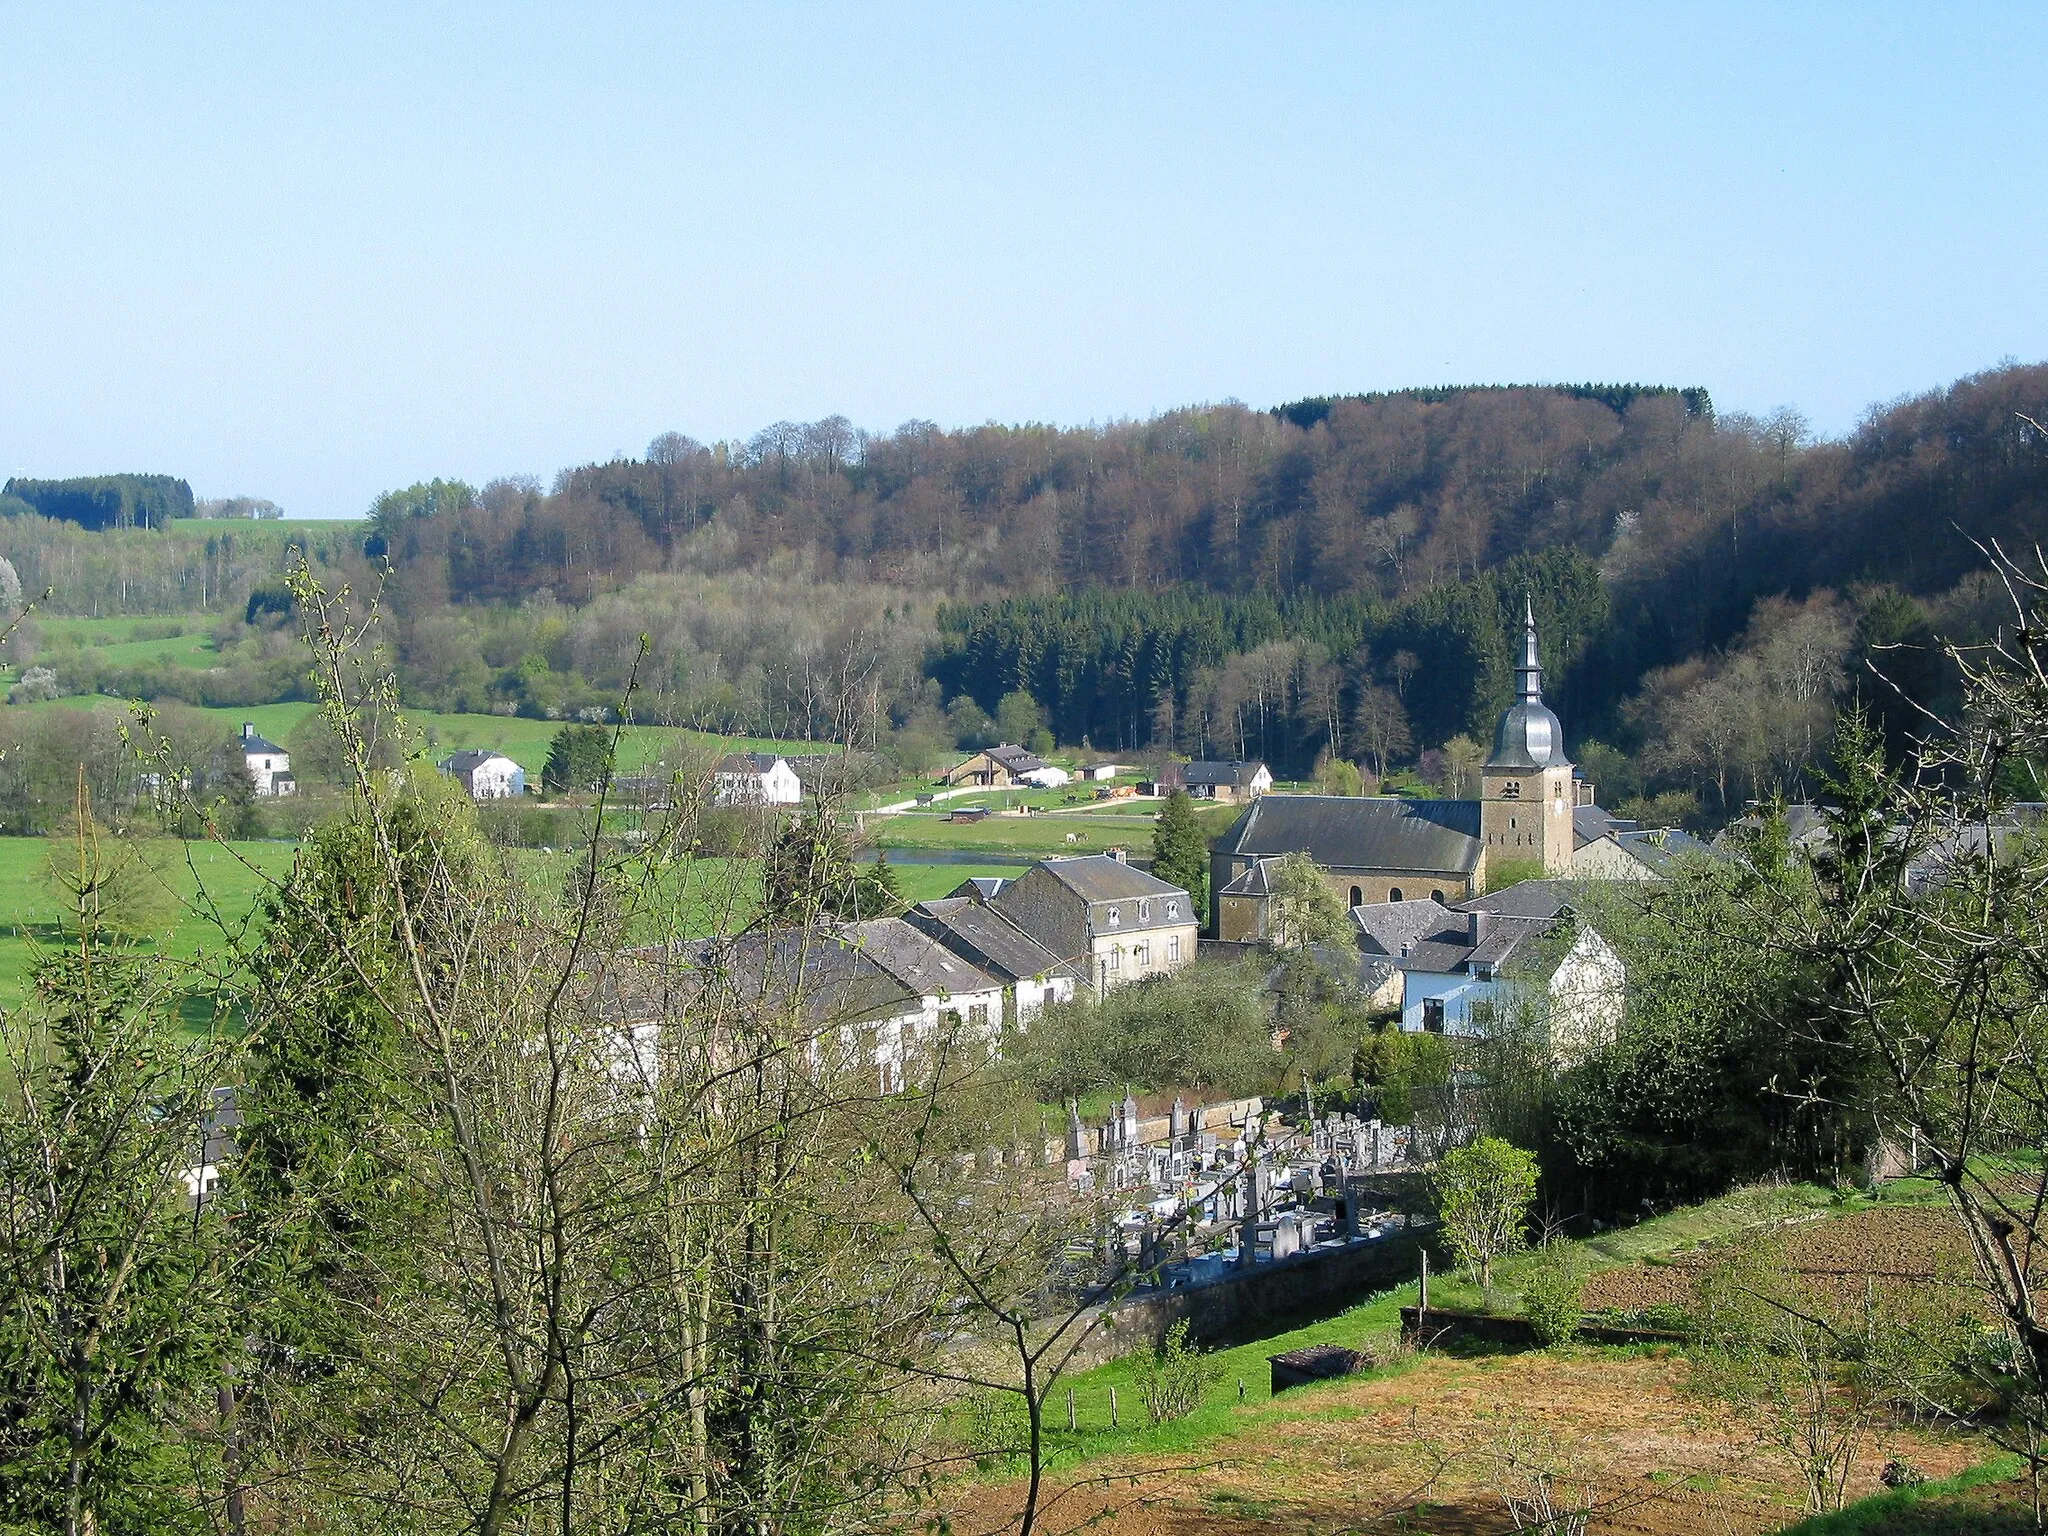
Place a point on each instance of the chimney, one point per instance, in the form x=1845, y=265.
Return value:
x=248, y=730
x=1120, y=854
x=1479, y=926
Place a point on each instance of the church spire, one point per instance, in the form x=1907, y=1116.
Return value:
x=1529, y=674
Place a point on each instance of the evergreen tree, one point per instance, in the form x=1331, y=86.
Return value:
x=578, y=758
x=1180, y=853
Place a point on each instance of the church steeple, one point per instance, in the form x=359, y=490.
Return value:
x=1529, y=673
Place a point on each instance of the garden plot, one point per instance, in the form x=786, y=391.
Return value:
x=1894, y=1247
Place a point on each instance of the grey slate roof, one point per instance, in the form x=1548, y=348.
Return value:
x=1347, y=832
x=467, y=760
x=1525, y=898
x=916, y=959
x=1098, y=877
x=1388, y=927
x=1449, y=954
x=987, y=938
x=747, y=762
x=1590, y=823
x=1257, y=880
x=1015, y=759
x=1658, y=846
x=251, y=742
x=1236, y=775
x=978, y=887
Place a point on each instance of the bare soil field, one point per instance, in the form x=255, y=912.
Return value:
x=1420, y=1450
x=1897, y=1247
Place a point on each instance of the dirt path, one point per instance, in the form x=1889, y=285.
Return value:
x=1419, y=1451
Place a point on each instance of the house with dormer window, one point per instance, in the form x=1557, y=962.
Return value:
x=1112, y=923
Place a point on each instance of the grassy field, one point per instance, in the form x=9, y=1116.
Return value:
x=209, y=880
x=524, y=741
x=1023, y=834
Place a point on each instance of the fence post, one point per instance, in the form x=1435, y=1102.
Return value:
x=1422, y=1304
x=1070, y=1410
x=1112, y=1407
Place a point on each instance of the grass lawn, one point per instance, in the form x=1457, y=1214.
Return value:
x=1033, y=834
x=524, y=741
x=29, y=910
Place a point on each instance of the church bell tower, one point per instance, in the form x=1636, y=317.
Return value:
x=1525, y=813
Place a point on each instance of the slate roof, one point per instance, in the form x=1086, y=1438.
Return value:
x=251, y=742
x=823, y=972
x=1448, y=954
x=978, y=887
x=1256, y=880
x=987, y=938
x=1015, y=759
x=1386, y=927
x=1098, y=877
x=1348, y=832
x=1525, y=898
x=1657, y=847
x=916, y=959
x=1236, y=775
x=468, y=760
x=1590, y=823
x=747, y=762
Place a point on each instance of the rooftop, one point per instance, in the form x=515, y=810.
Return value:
x=1350, y=832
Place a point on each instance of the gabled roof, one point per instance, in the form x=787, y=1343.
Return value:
x=1256, y=880
x=987, y=938
x=978, y=887
x=1657, y=847
x=1590, y=823
x=1525, y=898
x=752, y=763
x=1098, y=877
x=1389, y=927
x=1236, y=775
x=1449, y=955
x=251, y=742
x=1015, y=759
x=1350, y=832
x=470, y=759
x=916, y=959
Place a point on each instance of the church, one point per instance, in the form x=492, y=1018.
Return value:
x=1381, y=848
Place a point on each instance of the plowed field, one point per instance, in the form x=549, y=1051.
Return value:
x=1842, y=1255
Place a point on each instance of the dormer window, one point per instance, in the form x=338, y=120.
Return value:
x=1173, y=909
x=1115, y=917
x=1144, y=910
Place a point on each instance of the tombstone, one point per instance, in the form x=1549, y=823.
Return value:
x=1077, y=1138
x=1130, y=1119
x=1176, y=1123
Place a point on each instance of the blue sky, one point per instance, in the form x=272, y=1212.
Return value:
x=310, y=257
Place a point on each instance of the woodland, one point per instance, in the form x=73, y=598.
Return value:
x=1338, y=578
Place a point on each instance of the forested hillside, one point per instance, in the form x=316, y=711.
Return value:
x=1338, y=574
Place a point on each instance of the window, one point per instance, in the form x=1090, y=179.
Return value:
x=1393, y=893
x=1357, y=897
x=1141, y=953
x=1115, y=917
x=1116, y=957
x=1511, y=790
x=1173, y=950
x=1437, y=897
x=977, y=1015
x=1144, y=911
x=1433, y=1015
x=1511, y=823
x=1173, y=909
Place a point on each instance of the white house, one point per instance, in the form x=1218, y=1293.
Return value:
x=1466, y=966
x=756, y=778
x=1047, y=777
x=269, y=765
x=1031, y=974
x=486, y=775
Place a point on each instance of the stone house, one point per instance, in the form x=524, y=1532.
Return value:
x=997, y=768
x=1031, y=975
x=1114, y=923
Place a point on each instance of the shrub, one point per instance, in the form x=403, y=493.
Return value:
x=36, y=685
x=1553, y=1295
x=1172, y=1385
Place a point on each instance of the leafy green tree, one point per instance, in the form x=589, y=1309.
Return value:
x=1483, y=1193
x=1203, y=1027
x=1338, y=775
x=1018, y=717
x=1305, y=911
x=1180, y=851
x=579, y=757
x=1393, y=1065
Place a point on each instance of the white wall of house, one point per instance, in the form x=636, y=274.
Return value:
x=778, y=786
x=1588, y=991
x=496, y=778
x=1120, y=958
x=1033, y=994
x=1455, y=993
x=265, y=767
